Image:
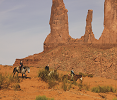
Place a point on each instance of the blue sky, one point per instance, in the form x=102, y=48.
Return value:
x=24, y=25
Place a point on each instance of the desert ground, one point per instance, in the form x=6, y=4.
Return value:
x=32, y=86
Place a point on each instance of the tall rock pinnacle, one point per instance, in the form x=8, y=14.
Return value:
x=109, y=34
x=58, y=25
x=89, y=36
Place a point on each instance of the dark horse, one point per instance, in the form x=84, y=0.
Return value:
x=23, y=70
x=75, y=77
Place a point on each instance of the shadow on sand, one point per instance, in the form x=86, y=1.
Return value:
x=24, y=77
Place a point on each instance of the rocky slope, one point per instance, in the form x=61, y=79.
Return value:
x=82, y=58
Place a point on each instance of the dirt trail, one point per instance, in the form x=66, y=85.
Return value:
x=32, y=86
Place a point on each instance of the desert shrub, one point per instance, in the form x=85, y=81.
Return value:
x=84, y=75
x=103, y=96
x=16, y=87
x=1, y=80
x=54, y=76
x=6, y=80
x=64, y=86
x=103, y=89
x=14, y=79
x=86, y=87
x=50, y=79
x=43, y=75
x=90, y=75
x=115, y=99
x=74, y=82
x=83, y=86
x=51, y=83
x=43, y=98
x=80, y=85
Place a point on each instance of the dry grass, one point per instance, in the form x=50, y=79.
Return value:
x=16, y=87
x=84, y=75
x=103, y=89
x=115, y=99
x=51, y=79
x=7, y=80
x=43, y=98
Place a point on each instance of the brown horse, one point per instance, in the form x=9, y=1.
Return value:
x=75, y=77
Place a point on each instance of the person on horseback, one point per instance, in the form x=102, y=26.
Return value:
x=47, y=68
x=21, y=65
x=72, y=73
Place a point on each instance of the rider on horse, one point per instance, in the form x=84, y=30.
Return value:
x=72, y=73
x=21, y=65
x=47, y=68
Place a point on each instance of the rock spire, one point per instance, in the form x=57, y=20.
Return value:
x=58, y=25
x=89, y=36
x=109, y=35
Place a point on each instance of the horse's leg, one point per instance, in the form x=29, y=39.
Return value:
x=25, y=75
x=13, y=74
x=17, y=73
x=22, y=75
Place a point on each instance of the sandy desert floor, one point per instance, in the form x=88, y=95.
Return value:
x=32, y=86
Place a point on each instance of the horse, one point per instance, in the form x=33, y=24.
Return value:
x=52, y=72
x=75, y=77
x=23, y=70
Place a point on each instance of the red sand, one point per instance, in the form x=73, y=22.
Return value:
x=33, y=86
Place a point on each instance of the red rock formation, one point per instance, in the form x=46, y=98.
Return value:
x=75, y=56
x=58, y=24
x=109, y=34
x=89, y=36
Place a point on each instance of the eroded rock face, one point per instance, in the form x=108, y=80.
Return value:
x=58, y=25
x=89, y=36
x=109, y=34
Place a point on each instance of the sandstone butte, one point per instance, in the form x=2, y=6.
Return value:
x=59, y=37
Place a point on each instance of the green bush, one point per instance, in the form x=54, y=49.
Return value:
x=43, y=98
x=103, y=89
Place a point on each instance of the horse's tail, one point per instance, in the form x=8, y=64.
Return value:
x=14, y=71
